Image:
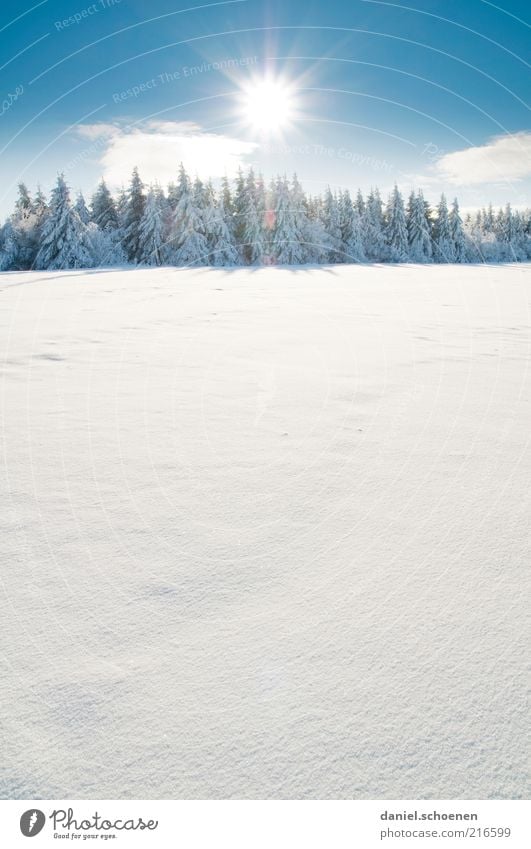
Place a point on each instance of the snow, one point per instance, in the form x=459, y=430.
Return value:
x=265, y=532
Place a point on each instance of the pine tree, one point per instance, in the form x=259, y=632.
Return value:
x=223, y=250
x=9, y=247
x=121, y=205
x=23, y=236
x=254, y=246
x=64, y=241
x=443, y=242
x=81, y=208
x=40, y=207
x=238, y=209
x=373, y=228
x=23, y=204
x=419, y=238
x=104, y=212
x=133, y=215
x=105, y=247
x=304, y=233
x=457, y=233
x=152, y=229
x=286, y=248
x=190, y=246
x=332, y=226
x=351, y=235
x=396, y=228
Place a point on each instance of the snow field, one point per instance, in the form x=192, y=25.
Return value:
x=265, y=532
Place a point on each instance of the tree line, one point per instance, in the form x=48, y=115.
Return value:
x=249, y=223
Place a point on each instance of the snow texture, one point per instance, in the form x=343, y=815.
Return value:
x=265, y=532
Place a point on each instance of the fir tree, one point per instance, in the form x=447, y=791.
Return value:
x=152, y=230
x=23, y=237
x=81, y=208
x=418, y=234
x=104, y=212
x=457, y=233
x=238, y=210
x=188, y=239
x=64, y=242
x=223, y=250
x=443, y=242
x=286, y=247
x=332, y=226
x=351, y=234
x=396, y=228
x=373, y=228
x=9, y=247
x=254, y=246
x=133, y=215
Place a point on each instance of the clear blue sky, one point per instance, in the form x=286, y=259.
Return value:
x=433, y=93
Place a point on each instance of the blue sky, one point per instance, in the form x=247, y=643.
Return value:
x=431, y=94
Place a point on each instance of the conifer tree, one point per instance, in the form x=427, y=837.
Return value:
x=419, y=238
x=81, y=208
x=64, y=241
x=254, y=246
x=351, y=234
x=152, y=229
x=443, y=242
x=238, y=209
x=104, y=212
x=133, y=215
x=457, y=233
x=332, y=226
x=286, y=248
x=396, y=228
x=223, y=250
x=22, y=237
x=189, y=242
x=373, y=228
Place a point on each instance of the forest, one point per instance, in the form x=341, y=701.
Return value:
x=246, y=222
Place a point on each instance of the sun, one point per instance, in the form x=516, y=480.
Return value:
x=268, y=105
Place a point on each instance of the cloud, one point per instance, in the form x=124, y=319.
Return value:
x=503, y=159
x=96, y=131
x=158, y=147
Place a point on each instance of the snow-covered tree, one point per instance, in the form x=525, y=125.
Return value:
x=351, y=234
x=104, y=212
x=64, y=239
x=442, y=235
x=223, y=250
x=239, y=203
x=418, y=234
x=190, y=246
x=152, y=234
x=286, y=247
x=134, y=211
x=22, y=236
x=81, y=208
x=9, y=248
x=105, y=247
x=457, y=233
x=253, y=247
x=332, y=227
x=396, y=229
x=40, y=206
x=373, y=228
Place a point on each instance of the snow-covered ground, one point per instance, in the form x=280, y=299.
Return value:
x=265, y=533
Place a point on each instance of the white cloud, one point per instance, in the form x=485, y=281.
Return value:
x=158, y=147
x=503, y=159
x=96, y=131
